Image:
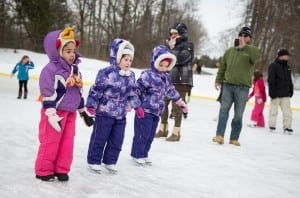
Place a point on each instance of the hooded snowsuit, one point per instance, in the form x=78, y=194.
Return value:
x=110, y=96
x=259, y=92
x=55, y=153
x=153, y=87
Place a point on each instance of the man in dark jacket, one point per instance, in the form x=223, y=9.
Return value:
x=280, y=90
x=181, y=77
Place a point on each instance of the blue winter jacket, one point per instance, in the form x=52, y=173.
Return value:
x=112, y=92
x=23, y=69
x=154, y=86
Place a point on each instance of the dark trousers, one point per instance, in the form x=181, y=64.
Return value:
x=144, y=132
x=21, y=84
x=106, y=140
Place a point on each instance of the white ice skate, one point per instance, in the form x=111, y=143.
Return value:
x=148, y=161
x=95, y=167
x=139, y=161
x=111, y=168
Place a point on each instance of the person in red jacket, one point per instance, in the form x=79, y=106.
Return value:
x=259, y=92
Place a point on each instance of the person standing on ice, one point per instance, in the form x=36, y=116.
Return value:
x=60, y=86
x=259, y=92
x=23, y=68
x=154, y=85
x=235, y=74
x=281, y=89
x=181, y=77
x=109, y=97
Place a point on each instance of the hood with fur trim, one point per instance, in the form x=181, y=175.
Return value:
x=117, y=48
x=50, y=47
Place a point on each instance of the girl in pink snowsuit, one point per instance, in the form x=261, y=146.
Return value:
x=259, y=92
x=60, y=86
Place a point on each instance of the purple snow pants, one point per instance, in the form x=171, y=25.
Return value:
x=144, y=132
x=106, y=140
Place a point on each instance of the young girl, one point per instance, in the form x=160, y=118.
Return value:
x=257, y=116
x=153, y=86
x=114, y=88
x=60, y=86
x=23, y=68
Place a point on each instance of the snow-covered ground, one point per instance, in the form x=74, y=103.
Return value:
x=266, y=165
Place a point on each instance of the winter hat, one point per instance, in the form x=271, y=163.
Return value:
x=166, y=57
x=66, y=36
x=125, y=48
x=169, y=60
x=179, y=28
x=246, y=30
x=283, y=52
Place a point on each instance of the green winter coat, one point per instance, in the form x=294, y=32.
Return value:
x=237, y=66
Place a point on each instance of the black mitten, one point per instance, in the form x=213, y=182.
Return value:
x=88, y=120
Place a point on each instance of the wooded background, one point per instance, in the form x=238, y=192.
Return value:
x=24, y=24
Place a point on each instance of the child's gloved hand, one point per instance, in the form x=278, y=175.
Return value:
x=139, y=112
x=183, y=105
x=259, y=101
x=87, y=116
x=54, y=119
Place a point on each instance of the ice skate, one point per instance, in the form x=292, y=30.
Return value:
x=95, y=167
x=47, y=178
x=148, y=161
x=111, y=168
x=62, y=176
x=139, y=161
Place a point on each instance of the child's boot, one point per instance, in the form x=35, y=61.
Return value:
x=62, y=176
x=163, y=131
x=20, y=95
x=175, y=135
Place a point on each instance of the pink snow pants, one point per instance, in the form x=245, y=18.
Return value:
x=257, y=114
x=55, y=153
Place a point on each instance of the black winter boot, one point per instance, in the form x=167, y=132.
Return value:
x=19, y=95
x=25, y=95
x=47, y=178
x=62, y=176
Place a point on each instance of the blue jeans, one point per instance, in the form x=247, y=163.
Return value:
x=239, y=96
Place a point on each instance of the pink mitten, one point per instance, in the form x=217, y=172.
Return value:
x=139, y=112
x=91, y=112
x=182, y=104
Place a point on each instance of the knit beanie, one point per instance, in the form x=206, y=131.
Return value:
x=283, y=52
x=66, y=36
x=246, y=30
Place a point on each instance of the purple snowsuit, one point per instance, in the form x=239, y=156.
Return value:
x=110, y=96
x=153, y=87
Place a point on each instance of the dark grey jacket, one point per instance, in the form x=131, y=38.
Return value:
x=182, y=72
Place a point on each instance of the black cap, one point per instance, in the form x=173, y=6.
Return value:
x=180, y=27
x=283, y=52
x=246, y=30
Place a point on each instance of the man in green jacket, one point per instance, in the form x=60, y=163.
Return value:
x=235, y=77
